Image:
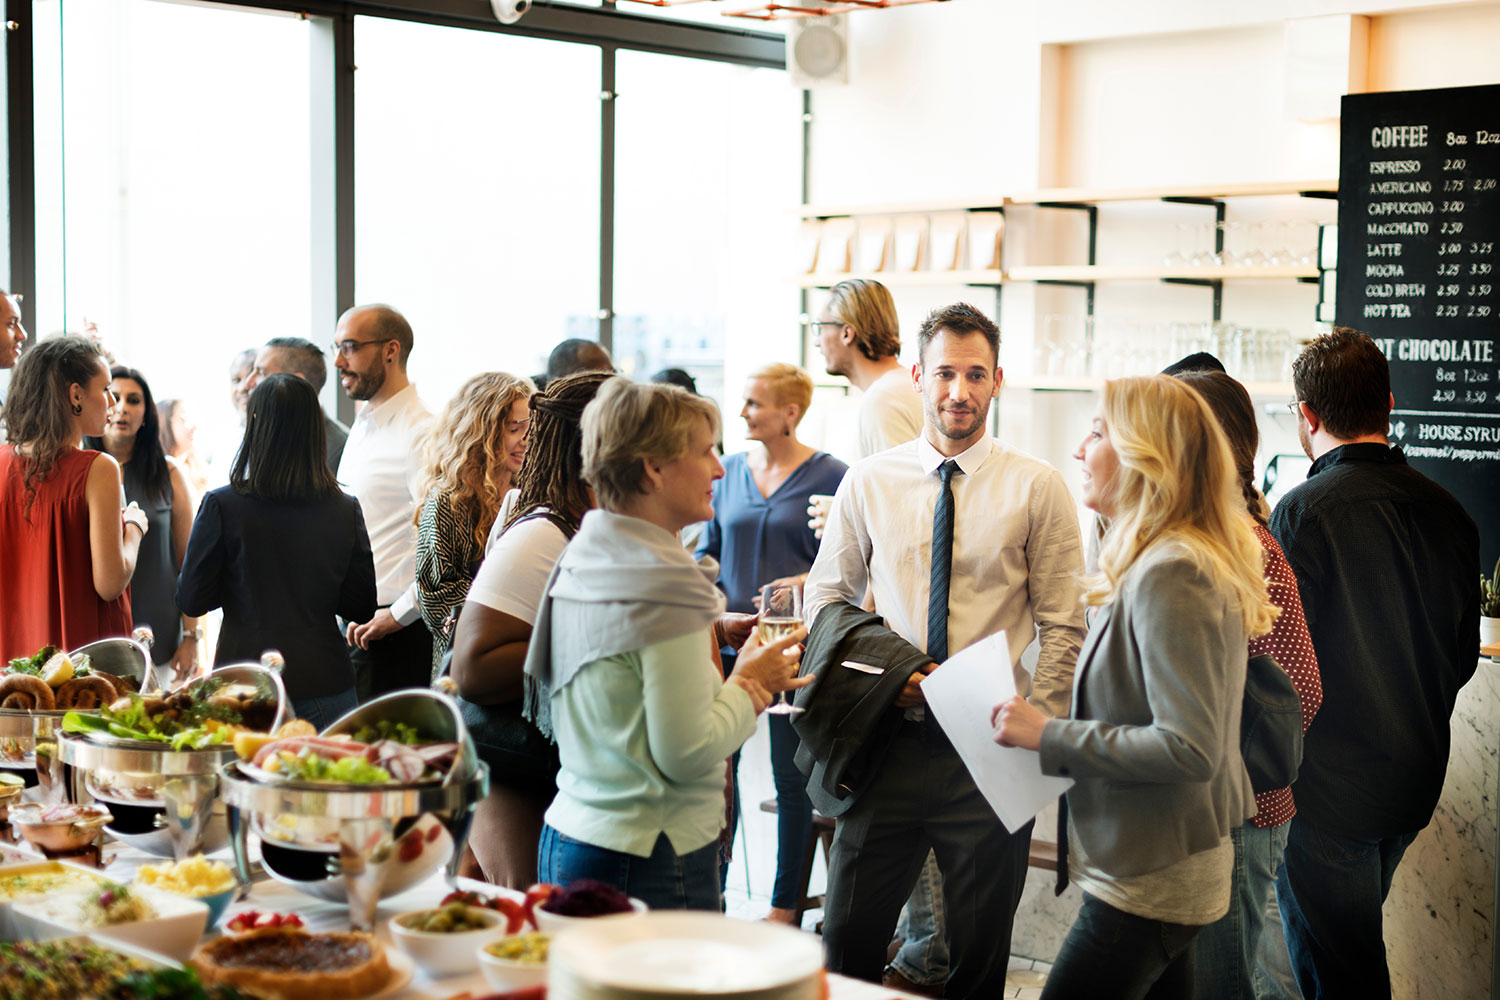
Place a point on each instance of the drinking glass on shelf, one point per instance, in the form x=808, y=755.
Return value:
x=780, y=616
x=1281, y=256
x=1255, y=252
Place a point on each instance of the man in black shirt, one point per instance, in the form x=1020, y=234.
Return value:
x=1386, y=561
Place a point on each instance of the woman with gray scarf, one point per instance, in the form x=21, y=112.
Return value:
x=623, y=666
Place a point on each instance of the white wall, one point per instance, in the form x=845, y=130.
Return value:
x=972, y=98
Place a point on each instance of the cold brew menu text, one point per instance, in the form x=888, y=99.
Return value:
x=1419, y=222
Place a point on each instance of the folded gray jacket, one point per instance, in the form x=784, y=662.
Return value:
x=850, y=716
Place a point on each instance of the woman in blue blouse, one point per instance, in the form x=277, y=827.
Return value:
x=759, y=535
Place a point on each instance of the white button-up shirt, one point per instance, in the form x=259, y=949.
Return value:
x=381, y=467
x=1017, y=556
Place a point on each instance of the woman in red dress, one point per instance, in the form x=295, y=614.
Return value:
x=67, y=549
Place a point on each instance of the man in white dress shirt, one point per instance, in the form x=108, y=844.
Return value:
x=1005, y=530
x=381, y=467
x=860, y=339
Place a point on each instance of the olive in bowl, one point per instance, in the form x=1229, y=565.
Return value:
x=516, y=962
x=445, y=941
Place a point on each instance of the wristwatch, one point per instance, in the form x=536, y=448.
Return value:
x=135, y=516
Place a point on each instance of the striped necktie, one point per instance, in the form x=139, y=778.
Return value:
x=942, y=564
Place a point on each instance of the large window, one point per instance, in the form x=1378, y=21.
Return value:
x=477, y=194
x=172, y=187
x=704, y=236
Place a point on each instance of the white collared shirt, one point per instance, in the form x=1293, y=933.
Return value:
x=1017, y=556
x=382, y=467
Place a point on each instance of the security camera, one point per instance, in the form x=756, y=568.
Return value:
x=510, y=11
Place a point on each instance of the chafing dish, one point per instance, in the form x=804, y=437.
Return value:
x=163, y=799
x=22, y=731
x=361, y=843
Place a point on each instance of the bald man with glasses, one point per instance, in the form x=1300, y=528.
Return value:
x=381, y=466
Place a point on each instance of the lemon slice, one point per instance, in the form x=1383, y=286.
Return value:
x=58, y=670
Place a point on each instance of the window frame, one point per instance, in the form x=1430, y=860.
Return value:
x=331, y=98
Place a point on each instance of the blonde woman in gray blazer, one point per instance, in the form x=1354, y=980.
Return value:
x=1153, y=737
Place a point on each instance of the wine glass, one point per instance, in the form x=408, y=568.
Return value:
x=780, y=616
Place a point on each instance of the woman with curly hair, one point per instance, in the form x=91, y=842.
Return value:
x=475, y=451
x=67, y=550
x=494, y=632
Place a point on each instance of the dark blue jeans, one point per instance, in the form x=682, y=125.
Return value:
x=664, y=881
x=1330, y=892
x=1111, y=953
x=793, y=814
x=321, y=712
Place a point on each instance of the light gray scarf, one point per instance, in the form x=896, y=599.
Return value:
x=622, y=584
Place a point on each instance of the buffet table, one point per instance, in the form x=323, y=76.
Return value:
x=269, y=895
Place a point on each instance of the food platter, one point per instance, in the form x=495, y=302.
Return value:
x=22, y=729
x=164, y=797
x=360, y=843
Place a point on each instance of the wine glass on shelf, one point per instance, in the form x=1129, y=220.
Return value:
x=780, y=616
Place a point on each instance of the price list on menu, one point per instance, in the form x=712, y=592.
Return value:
x=1419, y=224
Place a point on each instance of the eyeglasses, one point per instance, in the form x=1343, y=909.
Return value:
x=1294, y=407
x=346, y=348
x=826, y=322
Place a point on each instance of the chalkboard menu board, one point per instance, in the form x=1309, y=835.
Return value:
x=1419, y=226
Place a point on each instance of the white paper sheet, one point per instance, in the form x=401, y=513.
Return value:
x=961, y=694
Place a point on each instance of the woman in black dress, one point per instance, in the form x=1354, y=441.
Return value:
x=284, y=552
x=159, y=485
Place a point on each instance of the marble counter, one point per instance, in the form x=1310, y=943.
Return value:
x=1439, y=916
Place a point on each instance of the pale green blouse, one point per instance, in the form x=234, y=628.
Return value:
x=644, y=737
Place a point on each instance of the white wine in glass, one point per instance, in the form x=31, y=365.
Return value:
x=780, y=616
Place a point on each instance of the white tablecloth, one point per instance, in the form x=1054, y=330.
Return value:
x=273, y=896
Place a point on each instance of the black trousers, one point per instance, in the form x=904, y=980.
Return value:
x=401, y=660
x=923, y=798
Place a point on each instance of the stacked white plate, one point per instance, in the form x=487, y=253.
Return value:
x=667, y=956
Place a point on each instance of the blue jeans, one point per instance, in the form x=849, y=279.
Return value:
x=794, y=811
x=665, y=881
x=923, y=958
x=324, y=711
x=1227, y=950
x=1111, y=953
x=1330, y=891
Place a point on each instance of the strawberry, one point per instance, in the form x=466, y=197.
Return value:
x=515, y=913
x=535, y=896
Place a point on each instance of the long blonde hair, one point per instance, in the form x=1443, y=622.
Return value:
x=1177, y=483
x=463, y=454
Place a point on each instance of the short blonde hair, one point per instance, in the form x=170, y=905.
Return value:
x=630, y=422
x=789, y=385
x=866, y=307
x=1177, y=482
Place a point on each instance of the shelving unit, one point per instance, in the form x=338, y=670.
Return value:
x=1065, y=383
x=991, y=203
x=1084, y=276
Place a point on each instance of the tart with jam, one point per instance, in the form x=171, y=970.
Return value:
x=292, y=964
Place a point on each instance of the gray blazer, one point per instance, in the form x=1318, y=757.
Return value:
x=1154, y=737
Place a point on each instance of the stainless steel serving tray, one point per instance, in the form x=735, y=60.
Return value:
x=97, y=750
x=120, y=657
x=356, y=802
x=432, y=713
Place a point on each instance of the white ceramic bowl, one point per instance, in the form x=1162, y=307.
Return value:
x=451, y=954
x=173, y=932
x=506, y=974
x=554, y=923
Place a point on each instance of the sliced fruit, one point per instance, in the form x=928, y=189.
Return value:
x=247, y=744
x=58, y=670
